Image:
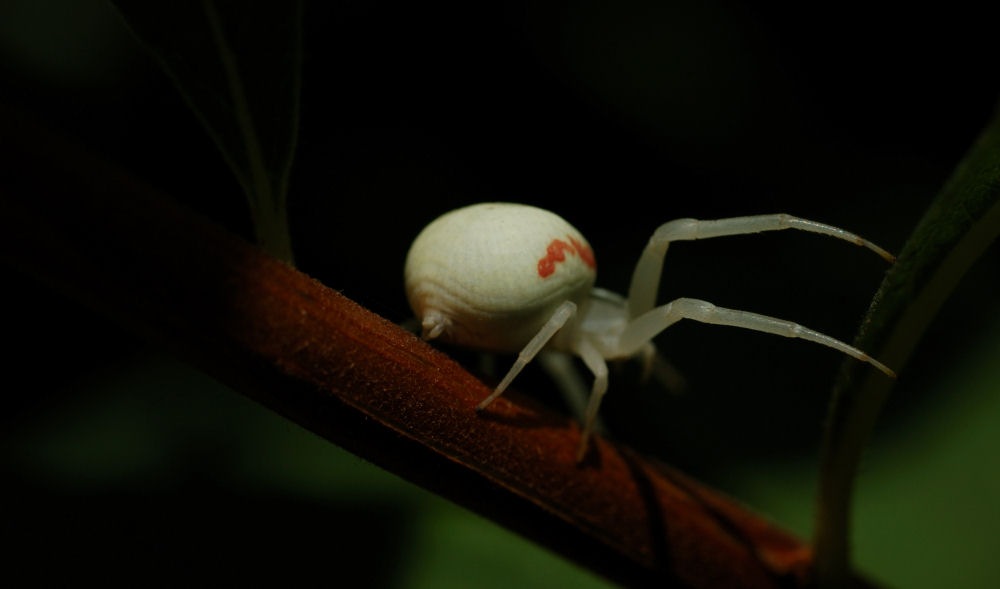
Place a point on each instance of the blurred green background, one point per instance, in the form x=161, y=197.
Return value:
x=120, y=463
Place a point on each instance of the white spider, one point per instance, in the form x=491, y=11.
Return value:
x=515, y=278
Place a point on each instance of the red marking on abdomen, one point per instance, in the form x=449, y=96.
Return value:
x=556, y=252
x=585, y=254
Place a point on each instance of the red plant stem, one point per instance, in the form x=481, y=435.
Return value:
x=322, y=361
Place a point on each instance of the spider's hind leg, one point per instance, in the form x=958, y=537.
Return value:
x=559, y=318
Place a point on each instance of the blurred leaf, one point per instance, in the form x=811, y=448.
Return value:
x=238, y=65
x=957, y=228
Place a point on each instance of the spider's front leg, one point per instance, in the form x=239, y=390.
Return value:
x=647, y=325
x=646, y=276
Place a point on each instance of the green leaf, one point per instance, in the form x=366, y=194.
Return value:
x=238, y=65
x=957, y=228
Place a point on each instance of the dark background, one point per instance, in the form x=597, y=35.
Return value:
x=616, y=117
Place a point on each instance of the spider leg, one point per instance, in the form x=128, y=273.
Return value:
x=562, y=314
x=656, y=366
x=644, y=327
x=595, y=362
x=562, y=369
x=646, y=276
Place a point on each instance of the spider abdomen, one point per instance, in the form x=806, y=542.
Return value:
x=489, y=275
